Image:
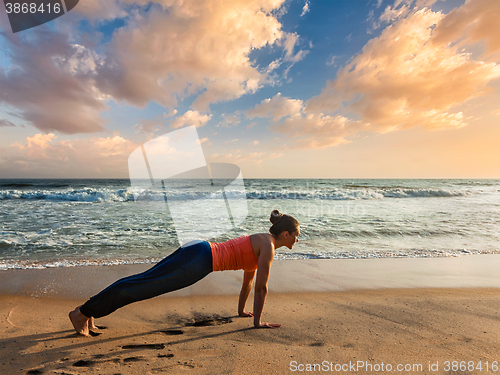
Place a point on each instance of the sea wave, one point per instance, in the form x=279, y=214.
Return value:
x=285, y=255
x=358, y=194
x=127, y=194
x=377, y=254
x=81, y=195
x=27, y=185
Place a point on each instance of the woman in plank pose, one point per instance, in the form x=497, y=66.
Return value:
x=192, y=262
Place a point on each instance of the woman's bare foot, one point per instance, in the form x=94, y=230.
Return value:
x=80, y=322
x=92, y=324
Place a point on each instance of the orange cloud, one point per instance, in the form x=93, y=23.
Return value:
x=475, y=21
x=43, y=156
x=176, y=49
x=276, y=107
x=305, y=130
x=190, y=118
x=51, y=83
x=317, y=130
x=149, y=126
x=243, y=158
x=404, y=78
x=98, y=9
x=199, y=47
x=37, y=145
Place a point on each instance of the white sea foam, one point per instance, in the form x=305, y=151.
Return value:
x=11, y=265
x=409, y=253
x=127, y=195
x=357, y=194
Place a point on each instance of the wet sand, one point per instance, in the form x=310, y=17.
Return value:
x=338, y=316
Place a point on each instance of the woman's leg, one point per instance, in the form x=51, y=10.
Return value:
x=184, y=267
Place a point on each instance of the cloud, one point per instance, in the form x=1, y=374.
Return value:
x=150, y=125
x=401, y=79
x=39, y=141
x=43, y=156
x=305, y=130
x=305, y=9
x=191, y=47
x=241, y=158
x=400, y=9
x=155, y=124
x=167, y=51
x=393, y=13
x=404, y=79
x=289, y=41
x=205, y=140
x=317, y=130
x=100, y=10
x=5, y=122
x=276, y=108
x=190, y=118
x=230, y=120
x=475, y=21
x=332, y=61
x=51, y=83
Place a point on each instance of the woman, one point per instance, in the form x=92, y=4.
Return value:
x=192, y=262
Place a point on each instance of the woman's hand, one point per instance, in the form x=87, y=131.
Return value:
x=245, y=314
x=268, y=325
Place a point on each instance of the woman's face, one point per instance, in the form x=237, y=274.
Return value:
x=291, y=238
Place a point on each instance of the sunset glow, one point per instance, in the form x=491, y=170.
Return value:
x=283, y=89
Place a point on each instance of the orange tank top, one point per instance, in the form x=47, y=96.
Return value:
x=235, y=254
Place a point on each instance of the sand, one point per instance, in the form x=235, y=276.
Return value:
x=338, y=316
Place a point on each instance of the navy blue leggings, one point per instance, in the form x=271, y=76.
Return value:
x=187, y=265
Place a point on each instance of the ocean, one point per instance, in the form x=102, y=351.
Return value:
x=78, y=222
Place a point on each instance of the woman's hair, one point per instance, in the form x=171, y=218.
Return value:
x=282, y=223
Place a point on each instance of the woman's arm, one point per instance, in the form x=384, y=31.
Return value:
x=264, y=266
x=245, y=292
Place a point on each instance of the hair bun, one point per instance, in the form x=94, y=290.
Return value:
x=275, y=216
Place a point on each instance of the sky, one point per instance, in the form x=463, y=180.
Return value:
x=281, y=88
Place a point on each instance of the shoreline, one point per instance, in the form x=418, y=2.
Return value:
x=287, y=276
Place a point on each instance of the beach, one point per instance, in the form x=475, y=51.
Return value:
x=432, y=315
x=350, y=145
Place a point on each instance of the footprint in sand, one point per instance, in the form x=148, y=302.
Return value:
x=133, y=359
x=169, y=355
x=83, y=363
x=318, y=343
x=172, y=332
x=144, y=346
x=185, y=365
x=214, y=321
x=93, y=333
